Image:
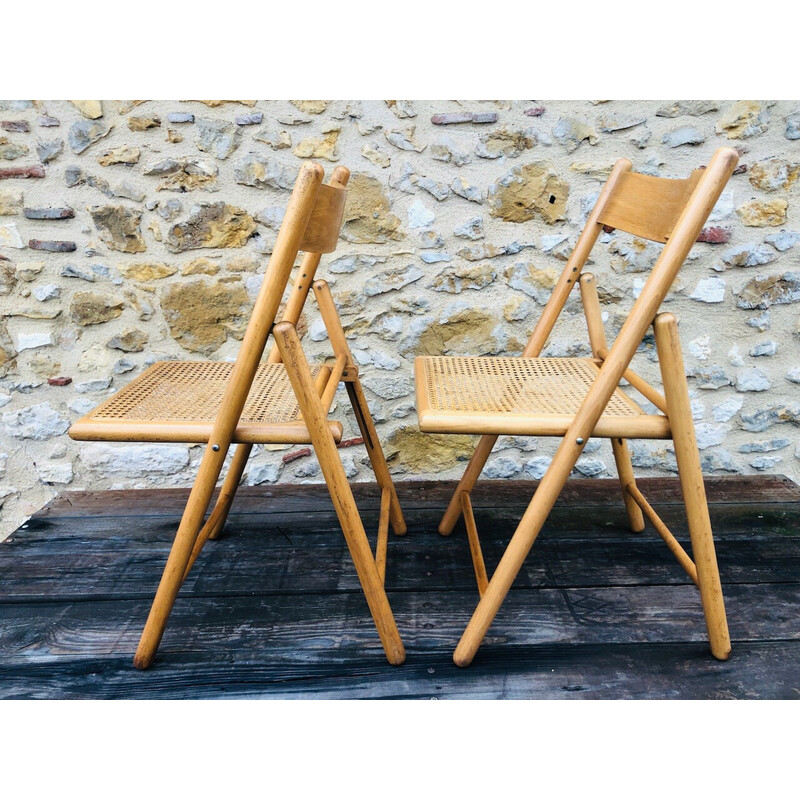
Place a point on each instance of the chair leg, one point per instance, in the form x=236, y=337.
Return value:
x=466, y=484
x=219, y=514
x=518, y=548
x=230, y=485
x=179, y=555
x=478, y=564
x=622, y=456
x=379, y=466
x=691, y=476
x=341, y=495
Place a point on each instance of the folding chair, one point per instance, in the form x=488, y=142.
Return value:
x=219, y=404
x=579, y=398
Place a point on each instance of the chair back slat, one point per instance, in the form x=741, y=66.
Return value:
x=322, y=231
x=311, y=258
x=287, y=245
x=646, y=206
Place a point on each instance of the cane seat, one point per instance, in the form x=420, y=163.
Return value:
x=520, y=396
x=178, y=401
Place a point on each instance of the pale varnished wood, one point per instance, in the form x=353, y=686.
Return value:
x=681, y=238
x=597, y=340
x=307, y=271
x=339, y=368
x=468, y=480
x=664, y=532
x=341, y=495
x=640, y=384
x=523, y=423
x=311, y=222
x=255, y=339
x=226, y=495
x=691, y=475
x=382, y=543
x=541, y=333
x=198, y=432
x=358, y=401
x=647, y=206
x=478, y=564
x=322, y=232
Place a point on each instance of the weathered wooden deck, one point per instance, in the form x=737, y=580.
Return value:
x=274, y=609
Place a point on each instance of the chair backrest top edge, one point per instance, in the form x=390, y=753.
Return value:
x=646, y=205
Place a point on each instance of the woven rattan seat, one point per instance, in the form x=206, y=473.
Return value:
x=536, y=396
x=178, y=401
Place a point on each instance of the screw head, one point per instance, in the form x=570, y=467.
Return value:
x=579, y=440
x=215, y=448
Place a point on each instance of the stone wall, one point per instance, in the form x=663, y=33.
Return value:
x=133, y=231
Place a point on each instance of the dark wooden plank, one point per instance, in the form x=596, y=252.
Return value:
x=728, y=518
x=274, y=609
x=317, y=628
x=432, y=494
x=757, y=670
x=266, y=561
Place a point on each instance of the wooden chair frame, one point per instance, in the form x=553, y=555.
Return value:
x=311, y=223
x=668, y=211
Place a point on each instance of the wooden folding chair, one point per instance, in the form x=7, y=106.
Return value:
x=579, y=398
x=248, y=402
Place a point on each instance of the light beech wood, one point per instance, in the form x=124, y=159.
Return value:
x=339, y=369
x=593, y=314
x=622, y=459
x=693, y=199
x=664, y=532
x=541, y=332
x=597, y=340
x=691, y=476
x=358, y=401
x=476, y=401
x=205, y=402
x=341, y=495
x=322, y=231
x=222, y=432
x=647, y=206
x=226, y=495
x=640, y=384
x=333, y=326
x=216, y=520
x=382, y=545
x=306, y=272
x=475, y=551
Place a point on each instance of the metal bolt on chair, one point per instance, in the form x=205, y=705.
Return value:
x=281, y=401
x=576, y=398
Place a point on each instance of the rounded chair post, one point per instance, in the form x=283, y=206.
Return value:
x=676, y=391
x=622, y=456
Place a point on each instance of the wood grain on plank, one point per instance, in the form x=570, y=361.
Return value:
x=759, y=670
x=312, y=497
x=274, y=609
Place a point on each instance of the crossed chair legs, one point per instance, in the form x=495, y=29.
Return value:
x=703, y=570
x=193, y=533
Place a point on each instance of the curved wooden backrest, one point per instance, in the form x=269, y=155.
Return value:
x=320, y=236
x=654, y=208
x=310, y=219
x=322, y=231
x=647, y=206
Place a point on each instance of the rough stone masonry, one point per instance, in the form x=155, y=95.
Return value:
x=135, y=231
